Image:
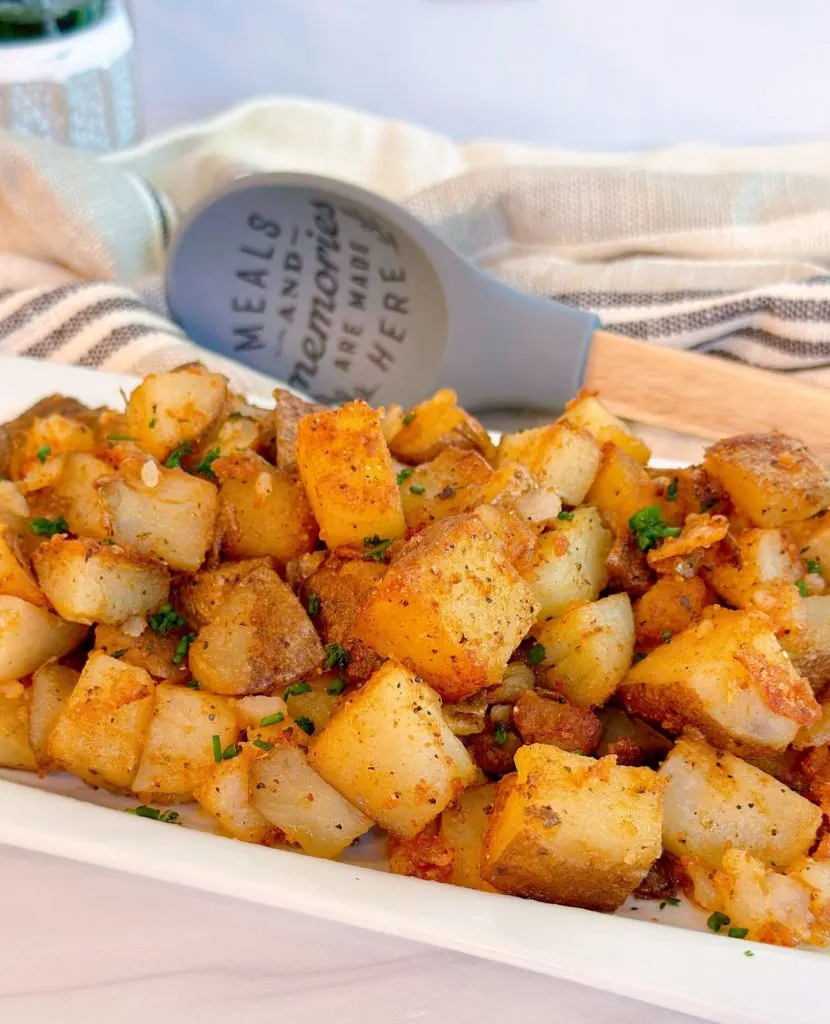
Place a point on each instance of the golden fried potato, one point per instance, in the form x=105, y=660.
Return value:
x=204, y=595
x=150, y=650
x=225, y=794
x=30, y=636
x=348, y=475
x=448, y=485
x=77, y=495
x=89, y=581
x=436, y=424
x=463, y=825
x=542, y=839
x=621, y=488
x=46, y=437
x=669, y=607
x=52, y=686
x=586, y=412
x=728, y=676
x=389, y=752
x=15, y=710
x=101, y=732
x=288, y=412
x=772, y=479
x=569, y=563
x=560, y=456
x=16, y=577
x=170, y=409
x=452, y=606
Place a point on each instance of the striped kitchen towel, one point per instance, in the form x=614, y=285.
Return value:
x=716, y=250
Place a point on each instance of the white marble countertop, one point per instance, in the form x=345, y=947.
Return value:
x=81, y=944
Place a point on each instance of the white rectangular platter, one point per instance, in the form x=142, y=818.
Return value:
x=665, y=957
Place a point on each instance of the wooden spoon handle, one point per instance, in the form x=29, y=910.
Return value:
x=704, y=395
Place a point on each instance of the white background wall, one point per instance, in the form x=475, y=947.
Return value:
x=580, y=73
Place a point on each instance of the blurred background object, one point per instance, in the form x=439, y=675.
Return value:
x=66, y=72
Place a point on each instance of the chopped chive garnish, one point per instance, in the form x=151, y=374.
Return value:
x=305, y=724
x=295, y=689
x=43, y=453
x=416, y=489
x=48, y=527
x=192, y=684
x=377, y=547
x=671, y=490
x=142, y=811
x=313, y=604
x=182, y=647
x=404, y=474
x=174, y=459
x=813, y=565
x=648, y=527
x=274, y=719
x=205, y=464
x=565, y=516
x=230, y=751
x=165, y=619
x=500, y=733
x=536, y=654
x=121, y=653
x=802, y=588
x=717, y=920
x=337, y=687
x=410, y=416
x=217, y=748
x=121, y=437
x=336, y=656
x=738, y=933
x=263, y=744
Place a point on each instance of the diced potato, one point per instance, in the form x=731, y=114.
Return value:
x=260, y=638
x=629, y=739
x=167, y=409
x=15, y=708
x=452, y=605
x=225, y=794
x=699, y=532
x=772, y=479
x=569, y=564
x=16, y=578
x=204, y=595
x=589, y=650
x=149, y=650
x=587, y=413
x=89, y=581
x=14, y=508
x=463, y=825
x=265, y=510
x=450, y=484
x=57, y=433
x=560, y=456
x=669, y=607
x=427, y=855
x=30, y=636
x=77, y=493
x=809, y=645
x=542, y=839
x=729, y=677
x=101, y=732
x=179, y=750
x=52, y=686
x=817, y=734
x=348, y=475
x=621, y=488
x=388, y=750
x=759, y=570
x=815, y=543
x=241, y=431
x=288, y=412
x=173, y=519
x=436, y=424
x=316, y=704
x=714, y=801
x=288, y=792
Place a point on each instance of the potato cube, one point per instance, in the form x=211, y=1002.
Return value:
x=288, y=411
x=587, y=413
x=772, y=479
x=621, y=487
x=714, y=801
x=728, y=676
x=814, y=543
x=162, y=512
x=348, y=475
x=101, y=732
x=89, y=581
x=559, y=455
x=450, y=484
x=542, y=839
x=452, y=606
x=261, y=638
x=311, y=813
x=388, y=751
x=569, y=563
x=179, y=750
x=672, y=604
x=16, y=578
x=203, y=595
x=225, y=794
x=436, y=424
x=809, y=645
x=30, y=636
x=56, y=432
x=265, y=511
x=463, y=825
x=52, y=685
x=167, y=409
x=77, y=492
x=15, y=709
x=589, y=650
x=149, y=650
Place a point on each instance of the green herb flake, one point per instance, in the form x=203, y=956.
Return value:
x=217, y=748
x=230, y=751
x=121, y=653
x=738, y=933
x=121, y=437
x=639, y=656
x=500, y=734
x=717, y=920
x=274, y=719
x=337, y=687
x=377, y=548
x=802, y=588
x=565, y=516
x=165, y=619
x=152, y=423
x=204, y=465
x=410, y=416
x=709, y=503
x=404, y=474
x=336, y=656
x=192, y=684
x=666, y=636
x=48, y=527
x=313, y=604
x=174, y=459
x=416, y=489
x=305, y=724
x=263, y=744
x=813, y=565
x=295, y=689
x=43, y=453
x=748, y=952
x=536, y=654
x=143, y=811
x=648, y=527
x=182, y=647
x=235, y=415
x=671, y=490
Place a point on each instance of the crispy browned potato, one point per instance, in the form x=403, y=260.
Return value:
x=561, y=456
x=30, y=636
x=16, y=577
x=569, y=562
x=541, y=719
x=89, y=581
x=621, y=488
x=586, y=412
x=261, y=638
x=204, y=595
x=452, y=606
x=52, y=686
x=225, y=794
x=542, y=839
x=265, y=510
x=728, y=676
x=772, y=479
x=76, y=493
x=672, y=604
x=15, y=710
x=348, y=475
x=288, y=412
x=50, y=435
x=451, y=483
x=436, y=424
x=150, y=650
x=463, y=825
